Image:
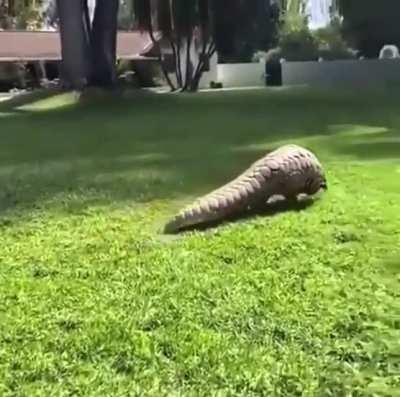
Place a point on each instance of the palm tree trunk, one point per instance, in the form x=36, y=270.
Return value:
x=104, y=43
x=189, y=67
x=74, y=43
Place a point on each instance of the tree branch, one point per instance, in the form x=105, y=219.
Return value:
x=156, y=43
x=177, y=68
x=200, y=66
x=199, y=69
x=179, y=60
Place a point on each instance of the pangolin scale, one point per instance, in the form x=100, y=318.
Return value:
x=288, y=171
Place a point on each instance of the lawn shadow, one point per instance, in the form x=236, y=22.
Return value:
x=375, y=149
x=153, y=146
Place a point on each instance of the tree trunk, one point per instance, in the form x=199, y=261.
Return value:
x=175, y=57
x=11, y=8
x=157, y=45
x=194, y=84
x=178, y=69
x=104, y=44
x=207, y=54
x=189, y=66
x=74, y=43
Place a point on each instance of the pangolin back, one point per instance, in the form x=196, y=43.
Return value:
x=287, y=171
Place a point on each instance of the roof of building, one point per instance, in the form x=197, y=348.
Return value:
x=42, y=45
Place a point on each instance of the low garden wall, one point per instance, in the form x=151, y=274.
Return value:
x=241, y=74
x=347, y=72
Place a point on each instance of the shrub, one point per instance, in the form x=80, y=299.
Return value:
x=298, y=45
x=331, y=44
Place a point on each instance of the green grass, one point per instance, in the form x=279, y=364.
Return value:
x=96, y=301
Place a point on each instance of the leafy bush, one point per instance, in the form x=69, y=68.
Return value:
x=123, y=66
x=298, y=45
x=331, y=43
x=13, y=75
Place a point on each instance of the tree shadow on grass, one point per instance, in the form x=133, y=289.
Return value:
x=377, y=149
x=152, y=146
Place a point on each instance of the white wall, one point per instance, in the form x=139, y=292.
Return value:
x=242, y=74
x=346, y=72
x=212, y=75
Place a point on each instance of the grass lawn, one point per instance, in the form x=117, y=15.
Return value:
x=96, y=301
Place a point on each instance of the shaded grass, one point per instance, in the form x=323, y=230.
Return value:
x=95, y=301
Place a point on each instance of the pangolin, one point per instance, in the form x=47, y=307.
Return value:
x=287, y=171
